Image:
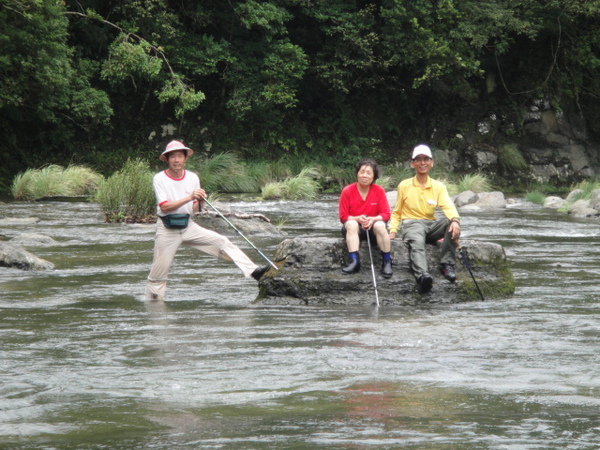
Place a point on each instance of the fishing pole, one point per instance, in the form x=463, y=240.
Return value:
x=372, y=268
x=466, y=263
x=240, y=233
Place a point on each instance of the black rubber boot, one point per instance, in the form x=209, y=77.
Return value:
x=354, y=265
x=386, y=265
x=448, y=272
x=425, y=282
x=386, y=268
x=259, y=272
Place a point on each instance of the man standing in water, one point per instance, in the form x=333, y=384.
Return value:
x=418, y=198
x=178, y=196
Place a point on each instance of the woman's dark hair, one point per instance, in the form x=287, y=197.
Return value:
x=372, y=164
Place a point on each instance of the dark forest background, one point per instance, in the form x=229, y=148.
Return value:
x=98, y=81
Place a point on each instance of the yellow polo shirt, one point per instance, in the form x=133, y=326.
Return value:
x=415, y=202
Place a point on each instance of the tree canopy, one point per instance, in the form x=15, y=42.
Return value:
x=97, y=81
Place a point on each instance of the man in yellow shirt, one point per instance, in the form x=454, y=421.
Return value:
x=418, y=198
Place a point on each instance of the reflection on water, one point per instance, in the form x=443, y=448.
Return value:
x=84, y=362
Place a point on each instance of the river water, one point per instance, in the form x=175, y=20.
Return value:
x=86, y=363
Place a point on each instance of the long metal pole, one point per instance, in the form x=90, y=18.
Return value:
x=372, y=268
x=240, y=233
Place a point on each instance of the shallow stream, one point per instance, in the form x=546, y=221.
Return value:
x=86, y=363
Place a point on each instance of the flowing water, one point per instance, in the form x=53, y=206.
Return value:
x=86, y=363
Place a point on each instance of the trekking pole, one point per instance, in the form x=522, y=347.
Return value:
x=465, y=261
x=372, y=268
x=240, y=233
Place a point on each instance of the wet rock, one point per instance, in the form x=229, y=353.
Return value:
x=465, y=198
x=19, y=258
x=32, y=239
x=18, y=220
x=517, y=203
x=553, y=202
x=310, y=273
x=247, y=224
x=486, y=201
x=595, y=199
x=573, y=195
x=582, y=208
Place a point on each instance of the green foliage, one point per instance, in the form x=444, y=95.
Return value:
x=130, y=59
x=319, y=79
x=224, y=173
x=333, y=177
x=187, y=98
x=536, y=197
x=55, y=180
x=397, y=173
x=128, y=195
x=35, y=60
x=301, y=187
x=510, y=158
x=470, y=182
x=586, y=188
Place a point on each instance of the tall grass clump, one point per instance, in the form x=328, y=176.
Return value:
x=509, y=157
x=397, y=173
x=224, y=172
x=333, y=178
x=301, y=187
x=470, y=182
x=54, y=180
x=536, y=197
x=581, y=191
x=586, y=187
x=128, y=195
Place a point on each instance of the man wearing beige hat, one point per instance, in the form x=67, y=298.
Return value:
x=418, y=199
x=178, y=196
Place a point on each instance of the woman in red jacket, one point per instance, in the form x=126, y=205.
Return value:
x=363, y=208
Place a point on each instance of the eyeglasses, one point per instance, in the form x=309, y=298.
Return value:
x=424, y=159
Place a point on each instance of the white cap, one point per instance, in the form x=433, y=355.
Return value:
x=421, y=150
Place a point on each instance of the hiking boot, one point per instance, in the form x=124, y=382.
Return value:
x=386, y=269
x=425, y=282
x=448, y=272
x=353, y=267
x=259, y=272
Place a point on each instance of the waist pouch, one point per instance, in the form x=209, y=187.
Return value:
x=175, y=221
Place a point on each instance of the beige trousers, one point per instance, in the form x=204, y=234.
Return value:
x=166, y=243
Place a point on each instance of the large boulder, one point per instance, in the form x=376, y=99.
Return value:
x=19, y=258
x=247, y=224
x=310, y=273
x=485, y=201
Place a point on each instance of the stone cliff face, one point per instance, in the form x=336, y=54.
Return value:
x=555, y=148
x=310, y=273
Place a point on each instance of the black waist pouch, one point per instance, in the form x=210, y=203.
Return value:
x=175, y=221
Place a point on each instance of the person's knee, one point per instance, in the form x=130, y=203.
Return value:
x=379, y=227
x=352, y=227
x=416, y=244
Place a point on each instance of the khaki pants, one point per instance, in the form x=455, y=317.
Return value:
x=417, y=232
x=166, y=243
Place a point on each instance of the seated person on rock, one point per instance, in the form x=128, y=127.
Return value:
x=418, y=198
x=363, y=208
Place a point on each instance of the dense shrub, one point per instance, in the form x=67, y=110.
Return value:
x=53, y=180
x=128, y=195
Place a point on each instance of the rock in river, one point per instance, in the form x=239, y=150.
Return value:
x=310, y=273
x=19, y=258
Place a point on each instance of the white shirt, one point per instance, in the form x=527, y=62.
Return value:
x=169, y=189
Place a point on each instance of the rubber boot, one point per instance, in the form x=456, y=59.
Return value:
x=386, y=265
x=354, y=265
